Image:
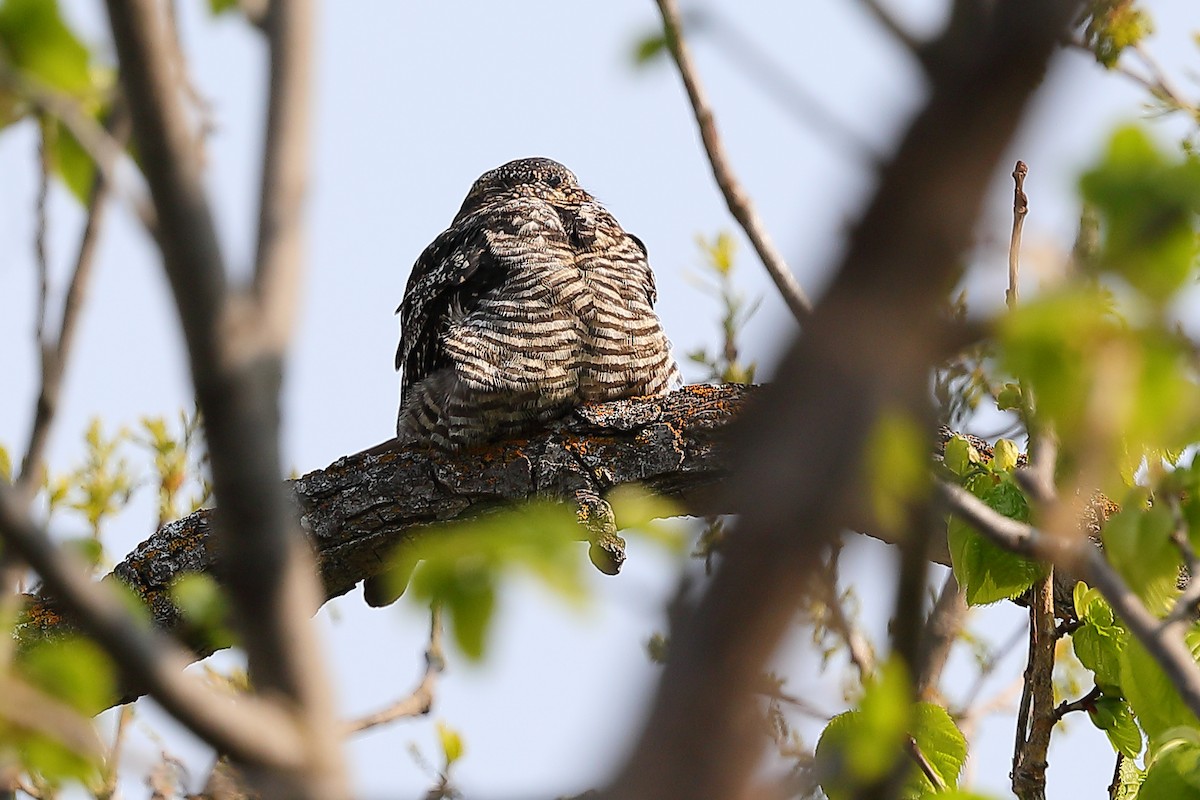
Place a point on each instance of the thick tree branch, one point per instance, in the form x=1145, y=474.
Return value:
x=236, y=378
x=740, y=205
x=866, y=353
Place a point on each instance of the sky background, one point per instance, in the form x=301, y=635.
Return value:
x=412, y=102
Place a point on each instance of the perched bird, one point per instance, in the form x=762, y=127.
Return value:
x=533, y=301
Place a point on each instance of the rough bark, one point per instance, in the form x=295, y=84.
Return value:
x=360, y=507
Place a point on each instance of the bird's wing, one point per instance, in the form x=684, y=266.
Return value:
x=467, y=262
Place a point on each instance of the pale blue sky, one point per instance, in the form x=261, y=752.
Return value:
x=414, y=100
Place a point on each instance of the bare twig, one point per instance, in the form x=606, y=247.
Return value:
x=1020, y=209
x=55, y=354
x=252, y=729
x=420, y=700
x=861, y=653
x=41, y=223
x=740, y=205
x=1037, y=703
x=1079, y=557
x=1085, y=703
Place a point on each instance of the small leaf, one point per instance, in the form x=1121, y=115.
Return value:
x=5, y=465
x=649, y=48
x=217, y=7
x=452, y=744
x=1114, y=717
x=960, y=455
x=1005, y=455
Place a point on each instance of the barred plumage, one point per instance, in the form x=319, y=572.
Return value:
x=533, y=301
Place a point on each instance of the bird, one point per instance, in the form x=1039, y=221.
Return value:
x=532, y=302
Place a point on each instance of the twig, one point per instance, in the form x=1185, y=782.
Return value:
x=860, y=650
x=1036, y=724
x=420, y=700
x=914, y=751
x=740, y=205
x=113, y=762
x=1020, y=209
x=41, y=223
x=253, y=730
x=56, y=354
x=1079, y=557
x=1085, y=703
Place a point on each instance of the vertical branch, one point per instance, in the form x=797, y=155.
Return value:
x=1020, y=209
x=739, y=203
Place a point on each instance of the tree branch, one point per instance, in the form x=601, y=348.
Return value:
x=740, y=204
x=420, y=700
x=251, y=729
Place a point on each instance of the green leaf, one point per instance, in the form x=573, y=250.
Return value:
x=1148, y=201
x=1010, y=398
x=649, y=48
x=1174, y=772
x=74, y=670
x=860, y=747
x=1151, y=694
x=897, y=470
x=942, y=744
x=205, y=609
x=960, y=456
x=987, y=572
x=1138, y=544
x=217, y=7
x=1113, y=716
x=36, y=41
x=452, y=744
x=5, y=465
x=1005, y=455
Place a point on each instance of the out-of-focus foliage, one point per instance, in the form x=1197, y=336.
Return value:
x=1110, y=26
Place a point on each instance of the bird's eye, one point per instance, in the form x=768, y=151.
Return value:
x=554, y=181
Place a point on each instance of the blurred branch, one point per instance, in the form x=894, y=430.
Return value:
x=942, y=629
x=251, y=729
x=420, y=700
x=237, y=380
x=740, y=205
x=895, y=29
x=867, y=350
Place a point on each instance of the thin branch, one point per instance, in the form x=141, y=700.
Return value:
x=41, y=224
x=420, y=700
x=1020, y=209
x=740, y=205
x=55, y=355
x=251, y=729
x=285, y=173
x=861, y=653
x=1085, y=703
x=1183, y=613
x=1079, y=557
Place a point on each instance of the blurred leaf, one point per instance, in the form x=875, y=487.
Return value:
x=5, y=465
x=639, y=510
x=897, y=469
x=217, y=7
x=1129, y=780
x=1174, y=772
x=649, y=48
x=859, y=747
x=1147, y=201
x=36, y=41
x=204, y=607
x=73, y=669
x=1113, y=716
x=1010, y=398
x=452, y=744
x=1005, y=455
x=960, y=455
x=1138, y=544
x=1151, y=694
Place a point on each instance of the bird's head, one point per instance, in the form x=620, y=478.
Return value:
x=543, y=178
